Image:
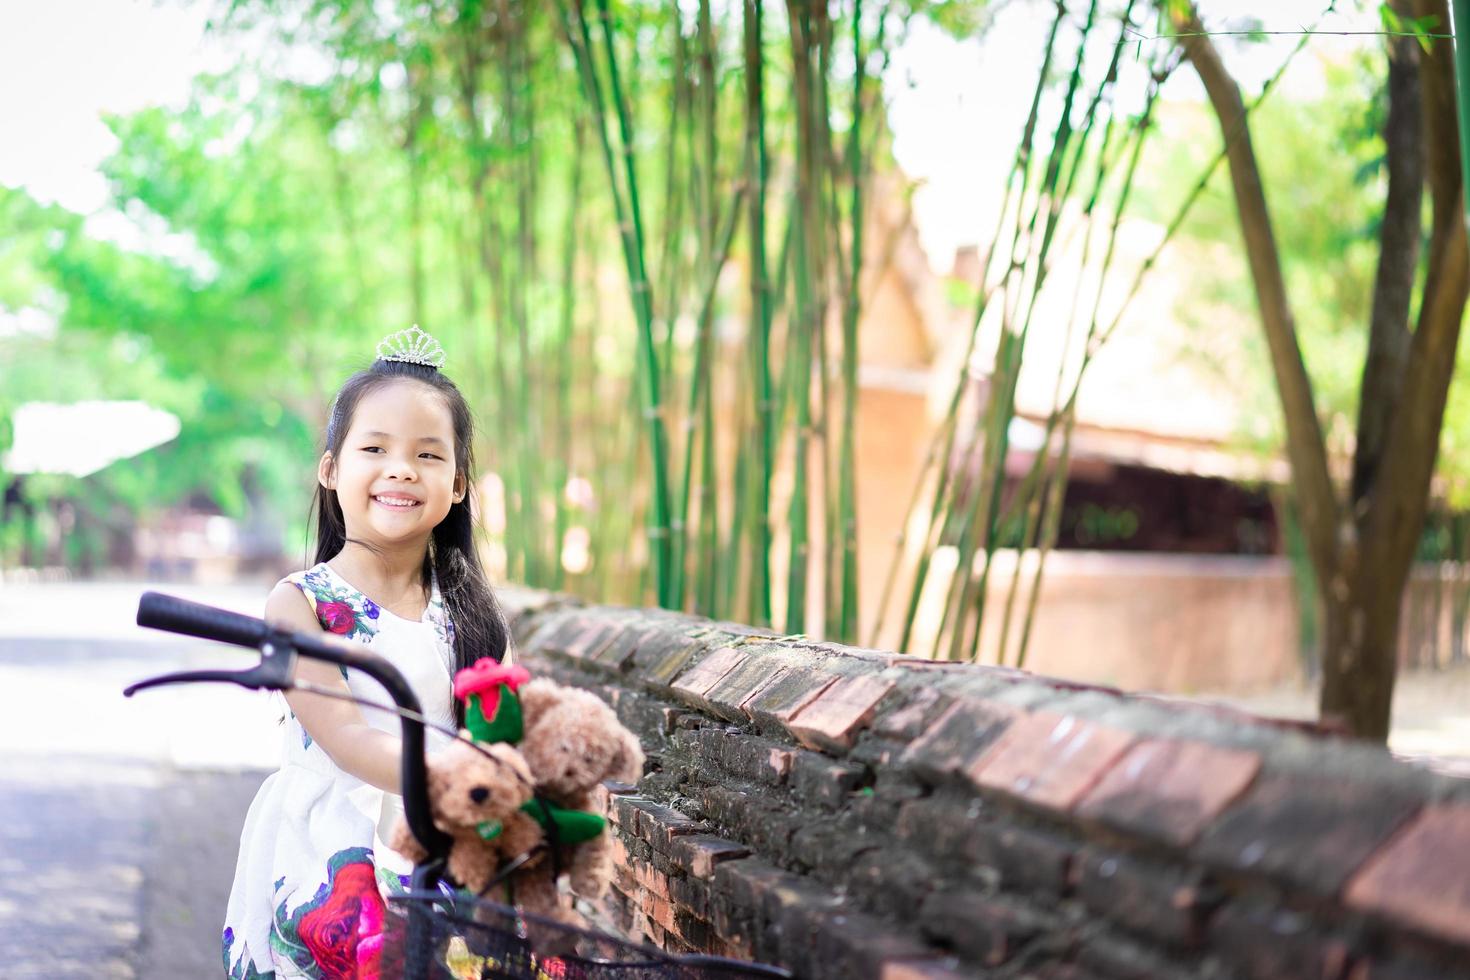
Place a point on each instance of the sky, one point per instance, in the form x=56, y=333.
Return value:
x=956, y=108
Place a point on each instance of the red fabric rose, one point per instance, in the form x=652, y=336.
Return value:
x=334, y=930
x=336, y=616
x=484, y=677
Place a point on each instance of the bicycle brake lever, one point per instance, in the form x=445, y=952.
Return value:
x=273, y=673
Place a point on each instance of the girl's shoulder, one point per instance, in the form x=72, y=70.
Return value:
x=339, y=607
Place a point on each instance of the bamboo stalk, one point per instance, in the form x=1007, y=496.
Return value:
x=756, y=170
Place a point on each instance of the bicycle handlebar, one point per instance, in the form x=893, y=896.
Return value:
x=175, y=615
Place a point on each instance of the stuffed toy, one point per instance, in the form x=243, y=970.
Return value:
x=475, y=796
x=571, y=742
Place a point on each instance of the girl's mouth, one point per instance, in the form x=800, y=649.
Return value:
x=397, y=503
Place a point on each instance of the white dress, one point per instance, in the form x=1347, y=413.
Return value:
x=307, y=900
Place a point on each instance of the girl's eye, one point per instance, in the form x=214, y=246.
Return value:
x=430, y=455
x=372, y=449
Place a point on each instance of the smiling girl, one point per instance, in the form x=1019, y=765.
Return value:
x=396, y=569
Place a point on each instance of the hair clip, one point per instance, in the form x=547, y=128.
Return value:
x=412, y=347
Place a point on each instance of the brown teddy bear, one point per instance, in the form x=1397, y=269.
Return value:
x=573, y=742
x=476, y=793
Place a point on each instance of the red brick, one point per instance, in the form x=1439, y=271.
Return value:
x=1170, y=789
x=917, y=970
x=1050, y=760
x=834, y=717
x=652, y=879
x=661, y=911
x=692, y=684
x=699, y=854
x=1419, y=877
x=957, y=738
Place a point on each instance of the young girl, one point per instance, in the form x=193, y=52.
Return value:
x=396, y=569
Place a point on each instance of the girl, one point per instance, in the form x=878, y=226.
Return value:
x=396, y=569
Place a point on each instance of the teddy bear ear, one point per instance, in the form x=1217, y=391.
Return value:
x=628, y=764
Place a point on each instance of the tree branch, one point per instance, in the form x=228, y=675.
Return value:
x=1398, y=259
x=1305, y=446
x=1399, y=500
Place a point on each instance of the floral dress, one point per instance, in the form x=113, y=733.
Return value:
x=308, y=894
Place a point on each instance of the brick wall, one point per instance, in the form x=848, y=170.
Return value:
x=855, y=814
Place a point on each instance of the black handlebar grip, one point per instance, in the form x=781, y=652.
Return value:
x=166, y=612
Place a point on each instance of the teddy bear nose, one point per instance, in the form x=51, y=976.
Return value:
x=479, y=794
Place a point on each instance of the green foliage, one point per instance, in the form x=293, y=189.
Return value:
x=1322, y=167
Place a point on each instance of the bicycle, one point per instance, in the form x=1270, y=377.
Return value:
x=433, y=931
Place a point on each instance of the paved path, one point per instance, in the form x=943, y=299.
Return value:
x=119, y=819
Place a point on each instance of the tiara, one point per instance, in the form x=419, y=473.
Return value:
x=412, y=346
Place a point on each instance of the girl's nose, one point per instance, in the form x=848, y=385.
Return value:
x=400, y=469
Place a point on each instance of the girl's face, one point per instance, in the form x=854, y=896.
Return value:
x=395, y=475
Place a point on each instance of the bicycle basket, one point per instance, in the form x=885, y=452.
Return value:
x=429, y=935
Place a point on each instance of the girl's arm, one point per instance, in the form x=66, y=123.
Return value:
x=337, y=726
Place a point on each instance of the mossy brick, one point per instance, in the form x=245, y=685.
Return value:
x=790, y=690
x=914, y=710
x=944, y=826
x=660, y=825
x=724, y=698
x=1026, y=859
x=591, y=639
x=983, y=927
x=1273, y=943
x=956, y=739
x=698, y=677
x=890, y=882
x=833, y=718
x=796, y=910
x=691, y=893
x=1161, y=902
x=1170, y=790
x=1304, y=830
x=725, y=806
x=1049, y=760
x=761, y=760
x=617, y=654
x=699, y=854
x=739, y=889
x=829, y=846
x=1421, y=877
x=643, y=715
x=662, y=655
x=1118, y=957
x=852, y=945
x=820, y=781
x=693, y=929
x=550, y=634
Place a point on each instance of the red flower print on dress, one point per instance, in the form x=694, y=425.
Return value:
x=346, y=928
x=337, y=617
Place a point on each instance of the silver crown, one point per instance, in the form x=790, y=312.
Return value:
x=412, y=346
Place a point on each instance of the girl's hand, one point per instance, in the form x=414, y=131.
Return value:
x=337, y=726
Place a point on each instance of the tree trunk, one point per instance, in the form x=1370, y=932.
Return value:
x=1362, y=552
x=1360, y=656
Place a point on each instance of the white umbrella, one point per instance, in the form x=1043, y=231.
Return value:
x=83, y=437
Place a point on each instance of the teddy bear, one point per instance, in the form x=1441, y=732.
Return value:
x=476, y=795
x=573, y=742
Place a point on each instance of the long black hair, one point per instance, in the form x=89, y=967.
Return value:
x=479, y=626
